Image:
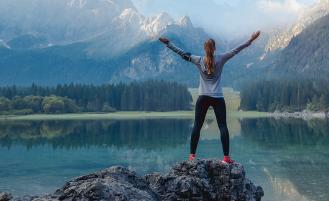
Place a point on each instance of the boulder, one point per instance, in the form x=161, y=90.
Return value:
x=5, y=196
x=205, y=180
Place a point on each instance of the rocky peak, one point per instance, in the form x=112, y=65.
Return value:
x=185, y=22
x=154, y=25
x=196, y=180
x=130, y=17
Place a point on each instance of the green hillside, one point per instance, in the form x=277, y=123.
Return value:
x=307, y=53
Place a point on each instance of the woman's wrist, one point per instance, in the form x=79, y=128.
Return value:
x=249, y=42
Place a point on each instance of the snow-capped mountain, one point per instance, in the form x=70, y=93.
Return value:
x=111, y=27
x=151, y=59
x=93, y=41
x=131, y=28
x=99, y=41
x=127, y=30
x=60, y=21
x=63, y=21
x=154, y=25
x=281, y=38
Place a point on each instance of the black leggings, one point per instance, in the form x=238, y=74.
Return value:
x=202, y=106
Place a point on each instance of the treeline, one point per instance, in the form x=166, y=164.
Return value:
x=37, y=104
x=285, y=95
x=70, y=98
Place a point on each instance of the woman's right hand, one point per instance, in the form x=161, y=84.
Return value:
x=254, y=36
x=164, y=40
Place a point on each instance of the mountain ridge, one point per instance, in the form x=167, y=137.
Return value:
x=114, y=54
x=307, y=53
x=281, y=38
x=124, y=50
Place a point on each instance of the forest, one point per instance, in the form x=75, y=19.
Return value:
x=285, y=95
x=72, y=98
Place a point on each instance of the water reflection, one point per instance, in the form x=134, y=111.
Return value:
x=299, y=153
x=280, y=133
x=37, y=157
x=289, y=158
x=144, y=134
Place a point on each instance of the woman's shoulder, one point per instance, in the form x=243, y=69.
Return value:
x=219, y=57
x=198, y=56
x=196, y=59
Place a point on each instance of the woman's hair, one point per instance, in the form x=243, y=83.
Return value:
x=209, y=48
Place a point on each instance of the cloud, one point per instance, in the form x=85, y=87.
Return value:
x=280, y=12
x=286, y=6
x=229, y=17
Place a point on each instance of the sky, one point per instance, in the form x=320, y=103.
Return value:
x=229, y=17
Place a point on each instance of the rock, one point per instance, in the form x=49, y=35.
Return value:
x=115, y=183
x=196, y=180
x=205, y=180
x=5, y=196
x=37, y=198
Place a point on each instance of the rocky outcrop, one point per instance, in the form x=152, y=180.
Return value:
x=205, y=180
x=5, y=196
x=197, y=180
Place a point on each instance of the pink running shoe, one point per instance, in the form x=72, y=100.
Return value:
x=227, y=159
x=192, y=157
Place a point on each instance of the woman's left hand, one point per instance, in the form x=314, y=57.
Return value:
x=164, y=40
x=254, y=36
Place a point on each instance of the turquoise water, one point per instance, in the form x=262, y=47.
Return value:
x=289, y=158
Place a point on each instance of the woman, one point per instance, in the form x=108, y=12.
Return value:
x=210, y=67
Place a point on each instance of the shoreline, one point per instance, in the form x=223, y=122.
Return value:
x=161, y=115
x=128, y=115
x=301, y=115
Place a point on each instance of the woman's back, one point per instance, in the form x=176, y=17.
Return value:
x=210, y=83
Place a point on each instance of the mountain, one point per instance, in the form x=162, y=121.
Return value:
x=296, y=52
x=281, y=38
x=151, y=60
x=75, y=63
x=100, y=41
x=113, y=26
x=127, y=30
x=125, y=48
x=248, y=64
x=307, y=53
x=60, y=21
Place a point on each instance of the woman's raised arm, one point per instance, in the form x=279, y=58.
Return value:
x=185, y=55
x=228, y=55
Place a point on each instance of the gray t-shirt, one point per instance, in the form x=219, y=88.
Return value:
x=210, y=85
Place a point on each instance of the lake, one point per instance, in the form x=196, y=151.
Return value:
x=289, y=158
